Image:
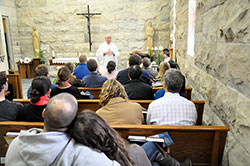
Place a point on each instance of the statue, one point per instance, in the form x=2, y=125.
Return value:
x=150, y=34
x=36, y=41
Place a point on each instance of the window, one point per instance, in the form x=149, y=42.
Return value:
x=191, y=27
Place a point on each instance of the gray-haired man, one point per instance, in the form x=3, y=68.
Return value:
x=172, y=109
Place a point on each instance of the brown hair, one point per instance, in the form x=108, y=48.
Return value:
x=164, y=66
x=70, y=66
x=63, y=75
x=83, y=59
x=41, y=70
x=111, y=89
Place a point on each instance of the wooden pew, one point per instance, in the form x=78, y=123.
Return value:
x=15, y=80
x=204, y=145
x=94, y=105
x=96, y=91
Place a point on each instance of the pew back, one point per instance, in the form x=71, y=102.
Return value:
x=94, y=105
x=96, y=91
x=204, y=145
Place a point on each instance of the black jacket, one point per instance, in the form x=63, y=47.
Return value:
x=32, y=113
x=138, y=90
x=72, y=90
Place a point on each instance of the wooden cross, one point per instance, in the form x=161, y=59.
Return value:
x=88, y=15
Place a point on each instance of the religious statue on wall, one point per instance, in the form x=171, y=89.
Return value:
x=36, y=41
x=150, y=34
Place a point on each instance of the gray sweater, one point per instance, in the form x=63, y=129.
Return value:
x=33, y=148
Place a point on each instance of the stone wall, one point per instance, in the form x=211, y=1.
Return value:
x=61, y=29
x=219, y=72
x=8, y=9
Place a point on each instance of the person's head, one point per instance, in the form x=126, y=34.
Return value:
x=91, y=130
x=166, y=52
x=34, y=28
x=3, y=82
x=146, y=62
x=111, y=66
x=111, y=89
x=59, y=113
x=83, y=59
x=164, y=66
x=41, y=70
x=63, y=75
x=108, y=39
x=173, y=81
x=70, y=66
x=92, y=65
x=134, y=72
x=40, y=86
x=173, y=64
x=134, y=60
x=149, y=23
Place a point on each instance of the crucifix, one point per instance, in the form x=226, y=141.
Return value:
x=88, y=15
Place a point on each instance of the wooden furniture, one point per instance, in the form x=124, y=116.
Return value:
x=7, y=93
x=15, y=80
x=96, y=91
x=204, y=145
x=36, y=62
x=94, y=106
x=25, y=69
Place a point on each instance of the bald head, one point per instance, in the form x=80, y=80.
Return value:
x=83, y=59
x=60, y=112
x=108, y=39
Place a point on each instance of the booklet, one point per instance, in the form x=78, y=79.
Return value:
x=9, y=136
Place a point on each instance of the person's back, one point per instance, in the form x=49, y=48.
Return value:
x=116, y=107
x=93, y=80
x=122, y=75
x=146, y=65
x=52, y=145
x=135, y=88
x=63, y=86
x=9, y=110
x=81, y=70
x=172, y=109
x=40, y=92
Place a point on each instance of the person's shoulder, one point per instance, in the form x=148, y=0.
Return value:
x=88, y=156
x=53, y=86
x=15, y=104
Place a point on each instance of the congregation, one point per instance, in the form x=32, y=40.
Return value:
x=90, y=135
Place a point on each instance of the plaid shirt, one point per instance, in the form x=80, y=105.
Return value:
x=172, y=109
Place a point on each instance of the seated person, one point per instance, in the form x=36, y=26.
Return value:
x=41, y=70
x=93, y=80
x=166, y=55
x=73, y=80
x=111, y=73
x=172, y=109
x=146, y=66
x=134, y=59
x=92, y=131
x=135, y=88
x=40, y=91
x=160, y=93
x=52, y=145
x=115, y=105
x=81, y=70
x=164, y=66
x=9, y=110
x=63, y=85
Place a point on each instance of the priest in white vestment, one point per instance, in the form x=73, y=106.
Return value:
x=106, y=52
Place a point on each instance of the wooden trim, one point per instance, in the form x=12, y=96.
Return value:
x=215, y=151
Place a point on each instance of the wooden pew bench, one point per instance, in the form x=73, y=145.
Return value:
x=96, y=91
x=204, y=145
x=94, y=105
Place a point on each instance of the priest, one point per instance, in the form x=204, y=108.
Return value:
x=106, y=52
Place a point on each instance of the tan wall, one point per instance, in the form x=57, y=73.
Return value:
x=64, y=31
x=219, y=72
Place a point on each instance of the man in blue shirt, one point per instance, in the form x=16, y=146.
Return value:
x=93, y=80
x=122, y=76
x=81, y=70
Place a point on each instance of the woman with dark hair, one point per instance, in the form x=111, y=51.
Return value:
x=91, y=130
x=111, y=72
x=63, y=85
x=40, y=91
x=72, y=79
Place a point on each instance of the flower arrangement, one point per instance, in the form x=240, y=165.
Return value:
x=155, y=54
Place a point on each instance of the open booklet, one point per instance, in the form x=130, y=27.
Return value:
x=9, y=136
x=161, y=138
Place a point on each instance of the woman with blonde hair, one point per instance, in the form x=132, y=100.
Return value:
x=116, y=107
x=164, y=66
